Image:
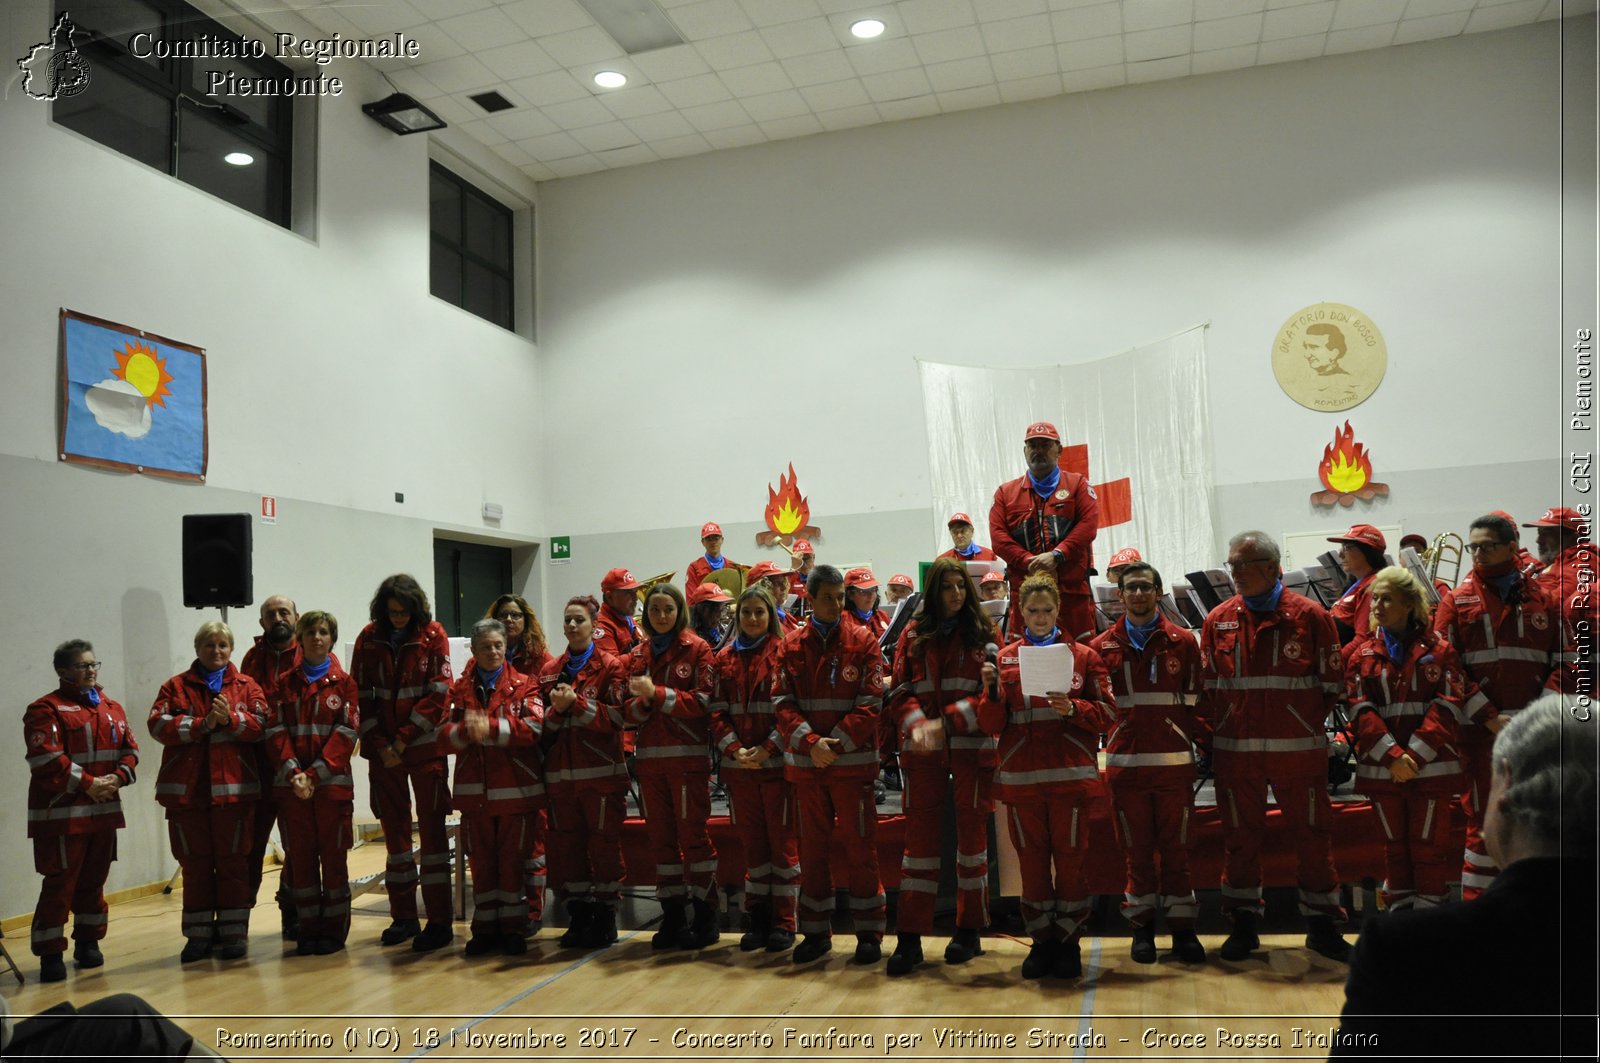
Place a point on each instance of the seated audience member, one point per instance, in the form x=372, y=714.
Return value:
x=81, y=754
x=965, y=549
x=900, y=588
x=1531, y=932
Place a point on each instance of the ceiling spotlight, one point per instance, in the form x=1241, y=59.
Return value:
x=610, y=79
x=238, y=158
x=867, y=28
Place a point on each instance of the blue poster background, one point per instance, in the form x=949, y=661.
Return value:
x=177, y=437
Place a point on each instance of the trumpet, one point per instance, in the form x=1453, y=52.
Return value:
x=1441, y=551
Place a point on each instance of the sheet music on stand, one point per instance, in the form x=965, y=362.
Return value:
x=978, y=569
x=1189, y=606
x=996, y=609
x=1212, y=587
x=1328, y=579
x=1168, y=606
x=1412, y=562
x=905, y=609
x=1108, y=608
x=1299, y=581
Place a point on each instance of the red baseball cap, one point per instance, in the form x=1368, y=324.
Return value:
x=1562, y=517
x=1503, y=515
x=802, y=546
x=1126, y=556
x=992, y=577
x=618, y=579
x=710, y=528
x=1365, y=534
x=959, y=518
x=1041, y=430
x=900, y=579
x=708, y=592
x=1418, y=541
x=761, y=570
x=860, y=577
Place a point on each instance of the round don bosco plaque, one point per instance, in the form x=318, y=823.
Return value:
x=1329, y=357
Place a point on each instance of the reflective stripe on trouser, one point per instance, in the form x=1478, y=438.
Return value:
x=497, y=849
x=1048, y=831
x=391, y=803
x=841, y=811
x=585, y=845
x=1478, y=868
x=319, y=833
x=535, y=864
x=925, y=785
x=676, y=809
x=1308, y=821
x=74, y=867
x=762, y=810
x=1415, y=831
x=1151, y=820
x=212, y=845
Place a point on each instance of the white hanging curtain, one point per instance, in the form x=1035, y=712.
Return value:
x=1139, y=418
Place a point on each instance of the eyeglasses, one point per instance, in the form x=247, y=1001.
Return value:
x=1138, y=588
x=84, y=666
x=509, y=616
x=1237, y=566
x=1478, y=548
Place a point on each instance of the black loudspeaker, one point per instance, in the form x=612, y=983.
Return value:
x=216, y=559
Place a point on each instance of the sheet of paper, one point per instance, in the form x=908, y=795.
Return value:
x=1046, y=669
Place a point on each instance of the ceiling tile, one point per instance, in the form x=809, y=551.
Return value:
x=963, y=42
x=1291, y=50
x=1103, y=77
x=434, y=43
x=1274, y=5
x=1002, y=10
x=451, y=111
x=821, y=67
x=835, y=94
x=1088, y=55
x=961, y=74
x=1034, y=88
x=710, y=18
x=544, y=18
x=756, y=80
x=1359, y=39
x=558, y=86
x=512, y=154
x=849, y=117
x=882, y=57
x=554, y=146
x=898, y=85
x=634, y=155
x=576, y=166
x=734, y=50
x=800, y=38
x=635, y=102
x=777, y=12
x=1504, y=16
x=522, y=125
x=575, y=114
x=1223, y=59
x=1014, y=34
x=902, y=110
x=1024, y=64
x=407, y=80
x=1429, y=8
x=1072, y=5
x=970, y=99
x=709, y=116
x=677, y=147
x=1159, y=44
x=775, y=105
x=1086, y=23
x=695, y=91
x=927, y=16
x=482, y=132
x=1154, y=14
x=1349, y=14
x=1213, y=9
x=605, y=136
x=1227, y=33
x=798, y=126
x=481, y=29
x=735, y=137
x=378, y=21
x=1297, y=21
x=538, y=171
x=437, y=9
x=667, y=64
x=668, y=125
x=520, y=60
x=459, y=74
x=1432, y=28
x=581, y=46
x=1176, y=66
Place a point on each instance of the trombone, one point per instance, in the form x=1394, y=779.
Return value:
x=1447, y=548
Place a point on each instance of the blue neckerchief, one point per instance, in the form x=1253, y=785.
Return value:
x=972, y=548
x=1048, y=640
x=1043, y=488
x=92, y=695
x=713, y=636
x=741, y=645
x=397, y=635
x=487, y=680
x=660, y=644
x=576, y=661
x=948, y=625
x=1265, y=603
x=863, y=615
x=825, y=630
x=783, y=617
x=214, y=679
x=1502, y=584
x=314, y=672
x=716, y=563
x=1395, y=643
x=1139, y=634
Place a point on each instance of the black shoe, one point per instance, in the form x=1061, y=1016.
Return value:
x=87, y=954
x=327, y=946
x=233, y=950
x=779, y=939
x=1243, y=940
x=868, y=951
x=760, y=926
x=1144, y=944
x=195, y=949
x=400, y=930
x=966, y=944
x=703, y=931
x=672, y=923
x=52, y=968
x=1041, y=958
x=433, y=936
x=1069, y=960
x=602, y=927
x=482, y=944
x=513, y=945
x=1186, y=946
x=532, y=929
x=812, y=947
x=579, y=915
x=291, y=923
x=307, y=946
x=907, y=954
x=1321, y=937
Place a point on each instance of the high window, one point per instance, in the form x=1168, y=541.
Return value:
x=470, y=262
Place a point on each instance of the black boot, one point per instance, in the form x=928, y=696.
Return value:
x=1041, y=958
x=400, y=930
x=52, y=968
x=1069, y=960
x=602, y=926
x=1243, y=940
x=760, y=927
x=579, y=914
x=812, y=947
x=966, y=944
x=1186, y=946
x=1144, y=944
x=88, y=954
x=289, y=916
x=672, y=924
x=907, y=954
x=868, y=951
x=779, y=939
x=703, y=931
x=434, y=936
x=1321, y=937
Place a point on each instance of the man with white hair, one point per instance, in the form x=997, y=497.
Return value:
x=1511, y=973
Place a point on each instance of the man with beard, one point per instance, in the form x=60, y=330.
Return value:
x=274, y=655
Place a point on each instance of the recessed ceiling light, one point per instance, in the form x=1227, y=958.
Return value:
x=610, y=79
x=867, y=28
x=238, y=158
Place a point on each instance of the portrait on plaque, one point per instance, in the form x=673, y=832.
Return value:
x=1329, y=357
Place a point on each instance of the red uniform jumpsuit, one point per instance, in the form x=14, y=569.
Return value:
x=759, y=803
x=498, y=789
x=70, y=742
x=312, y=729
x=1408, y=706
x=700, y=570
x=1354, y=609
x=537, y=878
x=405, y=693
x=1271, y=679
x=1150, y=765
x=982, y=553
x=1023, y=525
x=941, y=683
x=674, y=764
x=1512, y=652
x=267, y=666
x=209, y=785
x=829, y=686
x=615, y=633
x=1047, y=776
x=1573, y=580
x=587, y=777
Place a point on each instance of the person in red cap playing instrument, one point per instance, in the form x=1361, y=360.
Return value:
x=1419, y=543
x=1527, y=564
x=992, y=587
x=1571, y=567
x=1119, y=561
x=707, y=612
x=701, y=568
x=1361, y=556
x=615, y=631
x=804, y=557
x=861, y=610
x=965, y=549
x=1046, y=521
x=776, y=581
x=900, y=588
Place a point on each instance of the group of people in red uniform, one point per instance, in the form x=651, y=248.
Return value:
x=793, y=713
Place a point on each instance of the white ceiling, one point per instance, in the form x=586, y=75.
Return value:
x=758, y=70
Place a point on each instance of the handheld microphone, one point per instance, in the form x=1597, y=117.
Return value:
x=991, y=654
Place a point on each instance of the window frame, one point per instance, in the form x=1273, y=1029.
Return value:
x=457, y=246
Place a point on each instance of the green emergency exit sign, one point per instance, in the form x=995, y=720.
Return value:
x=560, y=548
